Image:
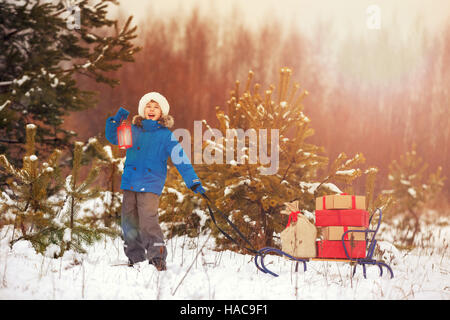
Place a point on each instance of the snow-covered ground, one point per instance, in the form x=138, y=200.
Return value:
x=196, y=272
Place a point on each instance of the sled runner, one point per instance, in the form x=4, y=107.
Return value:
x=367, y=259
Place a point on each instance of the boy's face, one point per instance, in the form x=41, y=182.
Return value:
x=152, y=111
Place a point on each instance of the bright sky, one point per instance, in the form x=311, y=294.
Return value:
x=348, y=15
x=399, y=21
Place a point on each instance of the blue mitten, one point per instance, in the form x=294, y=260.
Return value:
x=198, y=188
x=121, y=115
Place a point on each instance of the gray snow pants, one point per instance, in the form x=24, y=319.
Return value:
x=142, y=234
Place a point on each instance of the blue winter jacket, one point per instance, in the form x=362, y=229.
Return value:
x=145, y=168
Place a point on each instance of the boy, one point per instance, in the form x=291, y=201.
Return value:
x=144, y=175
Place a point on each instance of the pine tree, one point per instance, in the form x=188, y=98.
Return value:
x=111, y=164
x=50, y=223
x=412, y=187
x=179, y=208
x=83, y=230
x=252, y=198
x=27, y=206
x=42, y=56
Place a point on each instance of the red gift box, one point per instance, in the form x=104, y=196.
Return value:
x=349, y=218
x=335, y=249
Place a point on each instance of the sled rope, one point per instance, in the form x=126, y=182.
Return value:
x=258, y=253
x=211, y=213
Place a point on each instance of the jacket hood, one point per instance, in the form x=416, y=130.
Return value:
x=165, y=120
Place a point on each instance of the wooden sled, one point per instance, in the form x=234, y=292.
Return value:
x=367, y=260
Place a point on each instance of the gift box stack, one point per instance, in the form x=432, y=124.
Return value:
x=336, y=214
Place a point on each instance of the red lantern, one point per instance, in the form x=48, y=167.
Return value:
x=124, y=136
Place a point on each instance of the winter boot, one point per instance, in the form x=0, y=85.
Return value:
x=159, y=264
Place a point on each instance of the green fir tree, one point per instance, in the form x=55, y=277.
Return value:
x=26, y=205
x=242, y=187
x=111, y=163
x=180, y=209
x=412, y=187
x=50, y=223
x=44, y=54
x=83, y=229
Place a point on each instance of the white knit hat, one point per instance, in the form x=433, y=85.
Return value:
x=157, y=97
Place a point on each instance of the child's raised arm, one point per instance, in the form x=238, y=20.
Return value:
x=112, y=123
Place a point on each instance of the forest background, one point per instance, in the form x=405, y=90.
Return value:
x=379, y=92
x=375, y=91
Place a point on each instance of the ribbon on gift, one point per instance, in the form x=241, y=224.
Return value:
x=342, y=194
x=289, y=207
x=292, y=217
x=292, y=209
x=353, y=200
x=346, y=234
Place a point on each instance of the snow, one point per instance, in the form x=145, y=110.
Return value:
x=195, y=271
x=346, y=172
x=405, y=182
x=356, y=157
x=91, y=36
x=55, y=83
x=67, y=235
x=261, y=110
x=5, y=104
x=108, y=151
x=180, y=196
x=52, y=251
x=370, y=170
x=5, y=83
x=100, y=56
x=68, y=183
x=214, y=275
x=312, y=186
x=230, y=189
x=49, y=169
x=304, y=117
x=412, y=192
x=86, y=65
x=22, y=80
